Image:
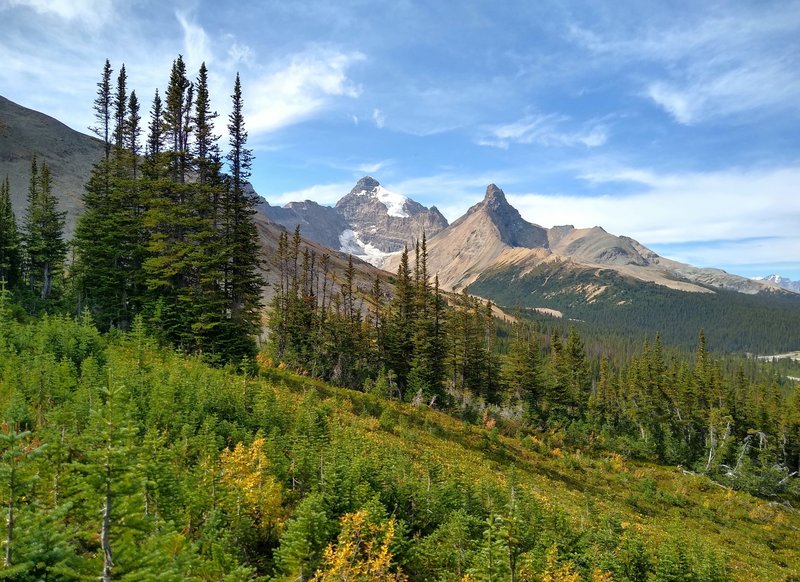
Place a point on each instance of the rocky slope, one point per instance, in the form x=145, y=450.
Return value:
x=69, y=154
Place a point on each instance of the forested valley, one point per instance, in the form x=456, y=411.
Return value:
x=151, y=432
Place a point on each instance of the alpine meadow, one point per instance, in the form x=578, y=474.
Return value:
x=230, y=353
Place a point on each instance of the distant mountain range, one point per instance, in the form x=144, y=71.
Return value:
x=375, y=224
x=783, y=282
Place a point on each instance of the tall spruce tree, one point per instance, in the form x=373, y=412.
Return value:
x=109, y=236
x=177, y=109
x=102, y=109
x=243, y=280
x=10, y=260
x=43, y=240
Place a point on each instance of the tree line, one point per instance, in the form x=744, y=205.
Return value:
x=731, y=419
x=167, y=229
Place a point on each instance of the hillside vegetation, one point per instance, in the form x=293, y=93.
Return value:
x=181, y=471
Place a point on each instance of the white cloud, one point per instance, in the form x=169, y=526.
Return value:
x=544, y=129
x=91, y=13
x=711, y=63
x=196, y=44
x=379, y=118
x=299, y=87
x=674, y=208
x=372, y=168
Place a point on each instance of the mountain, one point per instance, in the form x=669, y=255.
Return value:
x=370, y=222
x=493, y=236
x=319, y=223
x=69, y=154
x=783, y=282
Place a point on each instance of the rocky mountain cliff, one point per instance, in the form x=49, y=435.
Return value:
x=370, y=222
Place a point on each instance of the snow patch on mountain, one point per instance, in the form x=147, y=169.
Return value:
x=783, y=282
x=394, y=203
x=352, y=245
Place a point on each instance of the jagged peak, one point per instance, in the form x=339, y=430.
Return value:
x=495, y=194
x=513, y=230
x=366, y=183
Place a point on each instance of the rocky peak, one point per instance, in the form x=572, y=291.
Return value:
x=367, y=183
x=514, y=230
x=495, y=196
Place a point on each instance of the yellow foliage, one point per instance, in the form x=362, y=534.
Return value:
x=555, y=452
x=264, y=361
x=362, y=552
x=244, y=473
x=554, y=572
x=618, y=463
x=599, y=575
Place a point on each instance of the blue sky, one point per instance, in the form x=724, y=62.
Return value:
x=676, y=123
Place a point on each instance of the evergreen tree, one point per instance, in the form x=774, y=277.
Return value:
x=10, y=260
x=102, y=109
x=522, y=372
x=176, y=119
x=43, y=240
x=243, y=281
x=155, y=140
x=109, y=236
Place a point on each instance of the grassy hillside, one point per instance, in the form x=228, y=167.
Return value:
x=218, y=475
x=734, y=322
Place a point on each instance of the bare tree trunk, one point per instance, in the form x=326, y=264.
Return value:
x=105, y=535
x=10, y=520
x=46, y=281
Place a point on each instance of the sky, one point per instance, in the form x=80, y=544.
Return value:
x=676, y=123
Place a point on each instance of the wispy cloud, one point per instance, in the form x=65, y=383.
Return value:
x=673, y=208
x=544, y=129
x=379, y=118
x=710, y=63
x=196, y=44
x=87, y=13
x=300, y=86
x=373, y=168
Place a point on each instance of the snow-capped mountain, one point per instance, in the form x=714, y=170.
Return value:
x=370, y=222
x=783, y=282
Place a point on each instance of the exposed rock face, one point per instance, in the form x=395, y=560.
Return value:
x=477, y=240
x=512, y=229
x=370, y=222
x=69, y=154
x=319, y=223
x=386, y=220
